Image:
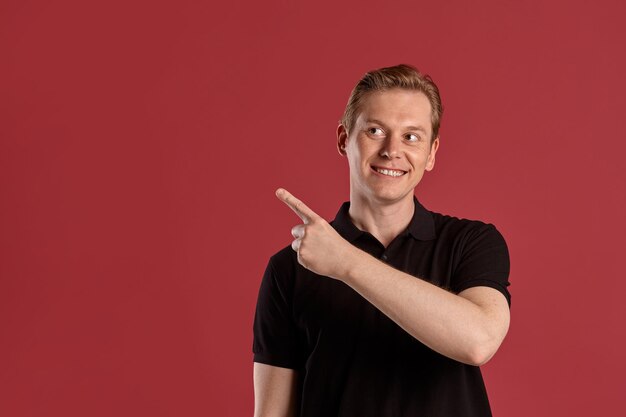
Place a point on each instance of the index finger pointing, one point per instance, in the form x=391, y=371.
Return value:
x=301, y=209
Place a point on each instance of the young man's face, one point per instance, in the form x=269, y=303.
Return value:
x=389, y=147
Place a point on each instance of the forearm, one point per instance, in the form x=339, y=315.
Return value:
x=447, y=323
x=467, y=327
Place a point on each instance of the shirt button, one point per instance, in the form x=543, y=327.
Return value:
x=384, y=257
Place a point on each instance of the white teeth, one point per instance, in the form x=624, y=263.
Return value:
x=389, y=172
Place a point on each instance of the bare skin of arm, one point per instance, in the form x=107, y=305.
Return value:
x=274, y=391
x=468, y=327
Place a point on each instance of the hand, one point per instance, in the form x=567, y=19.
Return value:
x=320, y=248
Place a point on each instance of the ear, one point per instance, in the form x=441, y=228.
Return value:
x=342, y=137
x=430, y=163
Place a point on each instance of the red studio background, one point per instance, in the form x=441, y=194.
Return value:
x=141, y=144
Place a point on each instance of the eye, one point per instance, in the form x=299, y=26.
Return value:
x=412, y=137
x=375, y=131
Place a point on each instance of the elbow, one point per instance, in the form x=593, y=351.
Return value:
x=482, y=350
x=480, y=355
x=485, y=344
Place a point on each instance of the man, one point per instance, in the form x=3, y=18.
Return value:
x=390, y=309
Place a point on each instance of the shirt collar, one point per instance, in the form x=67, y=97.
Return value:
x=421, y=226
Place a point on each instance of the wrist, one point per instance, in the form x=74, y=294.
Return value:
x=352, y=260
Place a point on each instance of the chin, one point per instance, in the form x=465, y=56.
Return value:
x=386, y=196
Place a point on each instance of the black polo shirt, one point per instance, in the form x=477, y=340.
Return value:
x=354, y=361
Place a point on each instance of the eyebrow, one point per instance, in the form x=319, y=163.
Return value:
x=420, y=128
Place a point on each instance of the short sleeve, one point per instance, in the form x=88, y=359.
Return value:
x=484, y=261
x=275, y=333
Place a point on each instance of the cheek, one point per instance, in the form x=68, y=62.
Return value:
x=358, y=152
x=420, y=162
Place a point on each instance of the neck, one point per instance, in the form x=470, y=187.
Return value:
x=383, y=221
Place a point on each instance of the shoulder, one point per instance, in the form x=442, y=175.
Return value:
x=284, y=258
x=477, y=251
x=449, y=227
x=282, y=267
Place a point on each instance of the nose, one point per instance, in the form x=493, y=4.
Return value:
x=391, y=147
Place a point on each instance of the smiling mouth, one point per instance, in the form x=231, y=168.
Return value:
x=389, y=172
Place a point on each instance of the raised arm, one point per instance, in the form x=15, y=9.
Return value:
x=468, y=327
x=274, y=391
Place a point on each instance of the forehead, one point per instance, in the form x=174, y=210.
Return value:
x=397, y=107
